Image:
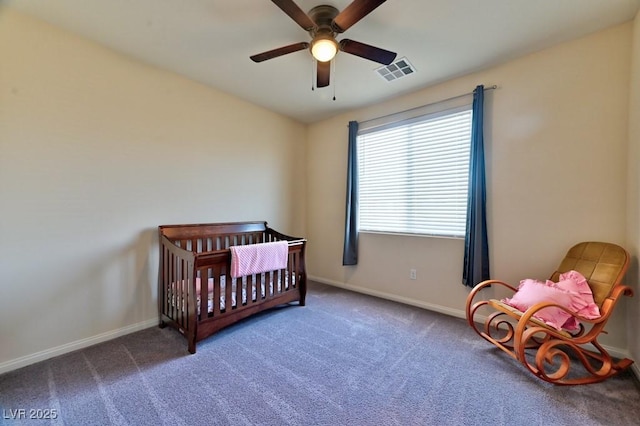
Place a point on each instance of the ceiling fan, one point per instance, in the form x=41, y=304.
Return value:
x=323, y=23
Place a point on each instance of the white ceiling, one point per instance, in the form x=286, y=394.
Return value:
x=210, y=41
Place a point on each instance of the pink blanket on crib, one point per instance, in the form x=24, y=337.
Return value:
x=257, y=258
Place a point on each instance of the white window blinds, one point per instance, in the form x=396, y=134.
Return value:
x=413, y=175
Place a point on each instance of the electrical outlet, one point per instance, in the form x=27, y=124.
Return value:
x=412, y=274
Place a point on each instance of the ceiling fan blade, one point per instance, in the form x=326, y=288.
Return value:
x=279, y=51
x=295, y=13
x=351, y=14
x=323, y=72
x=366, y=51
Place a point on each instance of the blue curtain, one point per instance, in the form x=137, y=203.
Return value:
x=476, y=245
x=350, y=252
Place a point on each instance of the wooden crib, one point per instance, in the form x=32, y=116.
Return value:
x=194, y=254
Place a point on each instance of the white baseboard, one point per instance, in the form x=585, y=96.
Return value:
x=636, y=370
x=394, y=297
x=14, y=364
x=615, y=352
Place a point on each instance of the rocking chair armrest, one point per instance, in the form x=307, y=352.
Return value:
x=610, y=302
x=484, y=284
x=487, y=283
x=470, y=307
x=621, y=290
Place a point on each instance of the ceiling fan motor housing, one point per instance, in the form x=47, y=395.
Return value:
x=323, y=16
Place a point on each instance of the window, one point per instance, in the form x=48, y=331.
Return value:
x=413, y=174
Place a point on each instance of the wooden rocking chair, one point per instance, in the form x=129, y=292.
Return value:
x=549, y=353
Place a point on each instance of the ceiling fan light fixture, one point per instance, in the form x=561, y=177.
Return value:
x=324, y=48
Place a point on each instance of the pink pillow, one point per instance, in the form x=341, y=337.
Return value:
x=575, y=282
x=580, y=284
x=531, y=292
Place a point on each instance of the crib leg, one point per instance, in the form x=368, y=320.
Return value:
x=303, y=294
x=192, y=344
x=303, y=290
x=162, y=324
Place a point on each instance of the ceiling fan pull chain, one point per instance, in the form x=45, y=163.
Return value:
x=313, y=74
x=333, y=77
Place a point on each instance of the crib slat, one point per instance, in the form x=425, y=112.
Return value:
x=255, y=286
x=296, y=272
x=189, y=295
x=173, y=284
x=189, y=300
x=181, y=292
x=268, y=284
x=168, y=284
x=216, y=291
x=174, y=287
x=178, y=290
x=227, y=297
x=165, y=282
x=179, y=283
x=188, y=285
x=204, y=291
x=290, y=270
x=263, y=283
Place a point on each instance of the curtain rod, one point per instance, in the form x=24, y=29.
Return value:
x=427, y=105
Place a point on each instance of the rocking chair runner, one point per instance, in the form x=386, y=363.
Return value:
x=544, y=350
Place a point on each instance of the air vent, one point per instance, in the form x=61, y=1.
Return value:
x=398, y=69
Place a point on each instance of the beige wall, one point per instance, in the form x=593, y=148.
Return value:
x=96, y=151
x=633, y=191
x=556, y=153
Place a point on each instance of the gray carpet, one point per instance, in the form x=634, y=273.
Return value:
x=344, y=359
